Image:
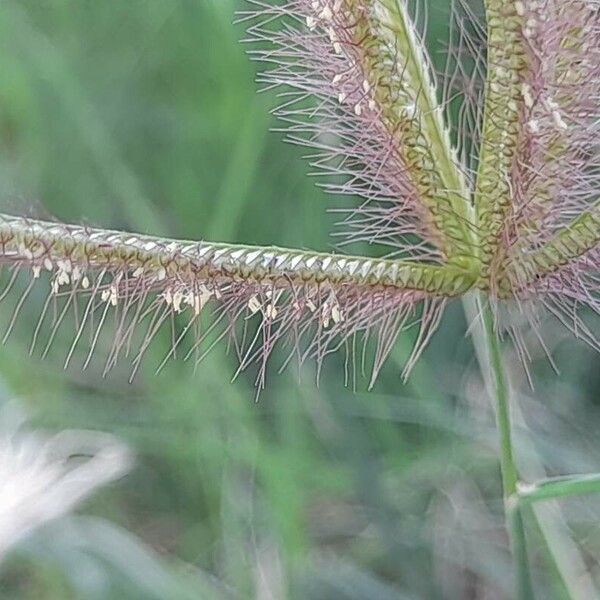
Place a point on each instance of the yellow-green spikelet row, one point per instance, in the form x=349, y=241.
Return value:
x=577, y=239
x=32, y=242
x=501, y=127
x=565, y=247
x=396, y=70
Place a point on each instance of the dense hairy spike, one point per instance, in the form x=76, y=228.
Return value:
x=361, y=92
x=548, y=236
x=538, y=169
x=569, y=246
x=563, y=275
x=69, y=251
x=315, y=301
x=501, y=126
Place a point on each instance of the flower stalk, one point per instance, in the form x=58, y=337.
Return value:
x=500, y=393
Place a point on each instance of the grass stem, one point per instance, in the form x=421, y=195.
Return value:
x=501, y=394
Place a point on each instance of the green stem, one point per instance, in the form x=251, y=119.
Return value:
x=500, y=391
x=559, y=487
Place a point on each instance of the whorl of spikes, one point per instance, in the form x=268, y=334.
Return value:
x=518, y=219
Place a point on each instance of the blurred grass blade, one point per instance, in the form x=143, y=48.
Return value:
x=559, y=487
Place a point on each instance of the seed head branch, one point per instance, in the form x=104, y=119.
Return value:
x=315, y=301
x=503, y=97
x=568, y=246
x=538, y=164
x=375, y=119
x=41, y=244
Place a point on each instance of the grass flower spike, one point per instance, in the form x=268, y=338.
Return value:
x=538, y=184
x=315, y=301
x=518, y=220
x=376, y=122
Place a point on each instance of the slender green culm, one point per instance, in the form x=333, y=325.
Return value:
x=501, y=396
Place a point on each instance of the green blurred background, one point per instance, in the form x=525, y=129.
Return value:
x=143, y=115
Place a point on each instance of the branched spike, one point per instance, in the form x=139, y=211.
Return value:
x=375, y=120
x=314, y=300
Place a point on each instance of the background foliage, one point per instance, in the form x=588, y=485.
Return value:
x=144, y=115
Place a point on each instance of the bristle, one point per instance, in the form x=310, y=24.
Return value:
x=463, y=79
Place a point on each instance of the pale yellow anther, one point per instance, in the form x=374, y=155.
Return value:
x=177, y=299
x=254, y=304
